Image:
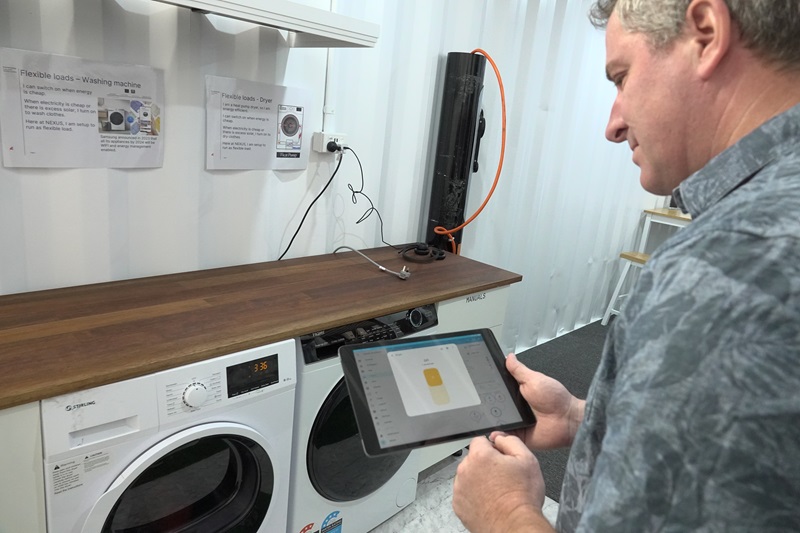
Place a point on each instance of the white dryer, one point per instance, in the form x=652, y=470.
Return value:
x=201, y=448
x=335, y=487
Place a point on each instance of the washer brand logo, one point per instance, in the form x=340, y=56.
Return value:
x=476, y=297
x=78, y=405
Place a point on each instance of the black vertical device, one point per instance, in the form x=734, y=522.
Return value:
x=460, y=129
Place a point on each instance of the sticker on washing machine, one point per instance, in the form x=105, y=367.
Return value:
x=78, y=470
x=332, y=523
x=95, y=460
x=67, y=476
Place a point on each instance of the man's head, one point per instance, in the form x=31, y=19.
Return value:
x=694, y=76
x=768, y=27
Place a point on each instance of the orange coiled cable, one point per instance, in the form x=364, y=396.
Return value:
x=440, y=230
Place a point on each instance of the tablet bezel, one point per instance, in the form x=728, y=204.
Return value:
x=358, y=399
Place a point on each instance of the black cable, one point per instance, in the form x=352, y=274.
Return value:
x=372, y=207
x=312, y=205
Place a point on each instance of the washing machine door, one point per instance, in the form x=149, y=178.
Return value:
x=337, y=466
x=210, y=478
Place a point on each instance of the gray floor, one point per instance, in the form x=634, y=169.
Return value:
x=572, y=359
x=433, y=508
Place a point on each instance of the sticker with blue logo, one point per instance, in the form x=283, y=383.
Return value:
x=332, y=523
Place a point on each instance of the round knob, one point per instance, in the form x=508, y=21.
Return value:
x=415, y=317
x=195, y=395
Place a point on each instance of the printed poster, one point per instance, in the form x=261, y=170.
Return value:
x=254, y=126
x=68, y=112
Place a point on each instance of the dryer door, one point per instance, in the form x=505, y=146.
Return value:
x=212, y=477
x=337, y=466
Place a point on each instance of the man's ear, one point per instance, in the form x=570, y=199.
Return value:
x=708, y=27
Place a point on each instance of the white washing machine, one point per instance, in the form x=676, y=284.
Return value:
x=201, y=448
x=117, y=119
x=335, y=487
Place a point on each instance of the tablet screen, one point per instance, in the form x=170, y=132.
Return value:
x=408, y=393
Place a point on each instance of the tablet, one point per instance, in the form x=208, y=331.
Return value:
x=408, y=393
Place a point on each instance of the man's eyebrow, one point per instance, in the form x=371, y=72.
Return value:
x=609, y=67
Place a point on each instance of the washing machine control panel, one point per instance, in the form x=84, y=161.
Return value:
x=195, y=395
x=190, y=394
x=216, y=383
x=325, y=344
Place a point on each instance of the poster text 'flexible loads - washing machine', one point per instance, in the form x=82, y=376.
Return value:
x=68, y=112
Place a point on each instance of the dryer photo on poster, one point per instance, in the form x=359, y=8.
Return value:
x=290, y=131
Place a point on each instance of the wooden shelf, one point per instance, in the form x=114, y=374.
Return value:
x=63, y=340
x=635, y=257
x=670, y=213
x=311, y=27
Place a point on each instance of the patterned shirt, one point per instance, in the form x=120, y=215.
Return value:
x=693, y=418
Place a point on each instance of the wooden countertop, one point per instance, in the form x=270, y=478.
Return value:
x=63, y=340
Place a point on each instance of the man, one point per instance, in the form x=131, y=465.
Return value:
x=693, y=419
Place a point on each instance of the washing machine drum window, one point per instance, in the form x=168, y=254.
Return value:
x=116, y=118
x=212, y=484
x=337, y=466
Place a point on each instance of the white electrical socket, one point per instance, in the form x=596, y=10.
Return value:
x=320, y=140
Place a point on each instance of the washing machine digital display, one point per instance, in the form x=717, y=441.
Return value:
x=252, y=375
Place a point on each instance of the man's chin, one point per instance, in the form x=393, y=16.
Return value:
x=653, y=186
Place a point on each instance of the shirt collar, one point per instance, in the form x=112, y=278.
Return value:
x=737, y=164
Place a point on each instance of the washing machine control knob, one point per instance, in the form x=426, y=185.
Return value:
x=195, y=395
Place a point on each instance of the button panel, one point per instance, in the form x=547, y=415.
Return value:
x=325, y=344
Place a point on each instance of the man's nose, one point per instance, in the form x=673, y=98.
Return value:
x=616, y=129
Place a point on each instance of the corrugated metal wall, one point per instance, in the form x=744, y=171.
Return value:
x=568, y=200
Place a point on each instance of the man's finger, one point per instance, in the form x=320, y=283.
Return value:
x=494, y=434
x=479, y=443
x=510, y=445
x=518, y=370
x=512, y=363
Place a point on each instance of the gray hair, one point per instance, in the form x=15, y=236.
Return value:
x=768, y=27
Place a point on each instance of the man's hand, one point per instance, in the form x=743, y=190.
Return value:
x=558, y=413
x=499, y=487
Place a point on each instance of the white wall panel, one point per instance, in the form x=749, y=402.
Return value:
x=568, y=201
x=567, y=204
x=69, y=227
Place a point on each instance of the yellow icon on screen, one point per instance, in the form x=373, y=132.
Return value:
x=436, y=386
